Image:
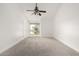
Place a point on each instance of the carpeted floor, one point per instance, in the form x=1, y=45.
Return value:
x=36, y=46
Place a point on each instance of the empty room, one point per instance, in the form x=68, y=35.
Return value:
x=39, y=29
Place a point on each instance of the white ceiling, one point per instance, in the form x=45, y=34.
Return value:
x=51, y=9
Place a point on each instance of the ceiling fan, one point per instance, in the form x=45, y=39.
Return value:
x=36, y=11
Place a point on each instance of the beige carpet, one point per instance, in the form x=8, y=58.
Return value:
x=36, y=46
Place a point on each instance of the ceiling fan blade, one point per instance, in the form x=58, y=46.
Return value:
x=29, y=10
x=42, y=11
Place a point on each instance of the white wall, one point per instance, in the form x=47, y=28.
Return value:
x=60, y=21
x=66, y=25
x=47, y=19
x=13, y=25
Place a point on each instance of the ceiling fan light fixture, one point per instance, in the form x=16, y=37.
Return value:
x=36, y=11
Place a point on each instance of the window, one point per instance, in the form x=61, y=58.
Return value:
x=35, y=28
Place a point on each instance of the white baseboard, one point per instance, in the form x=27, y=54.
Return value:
x=50, y=37
x=67, y=44
x=6, y=48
